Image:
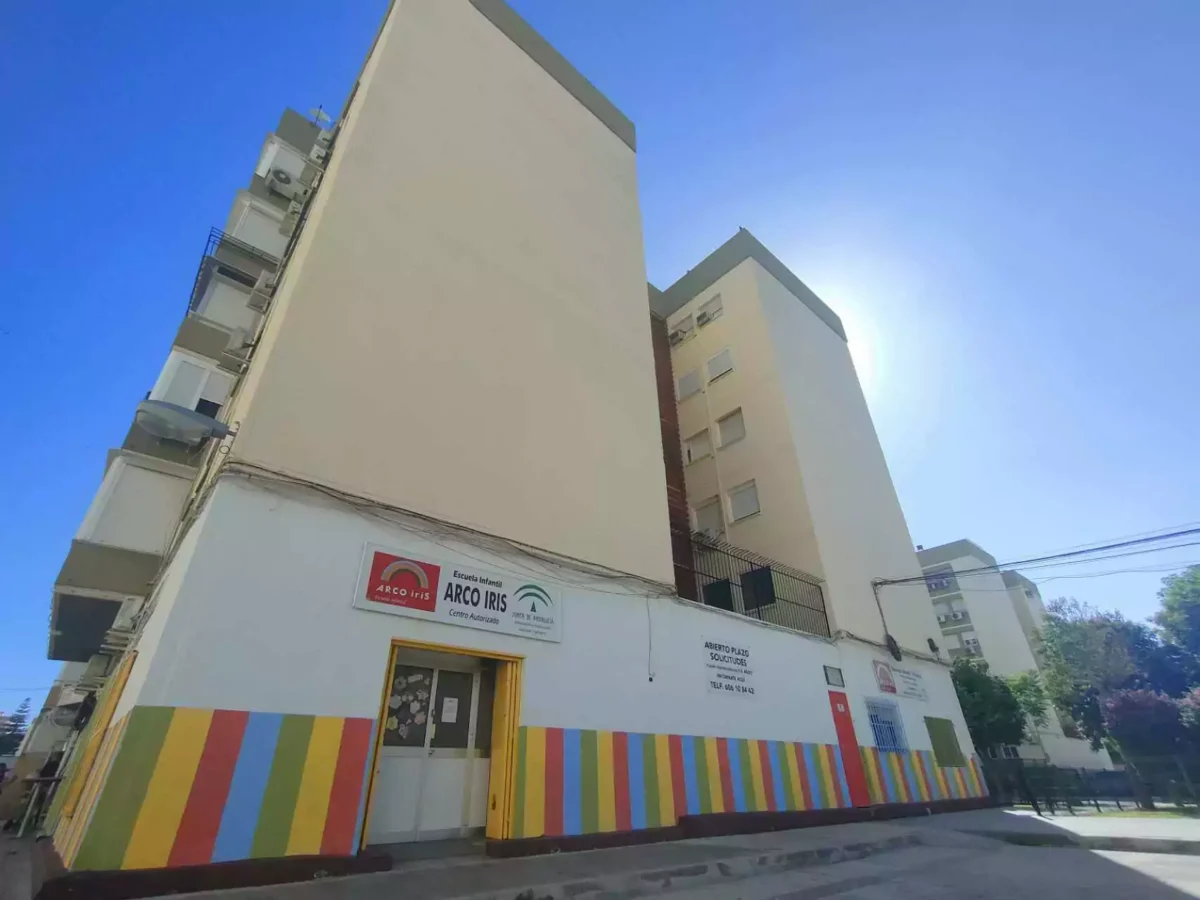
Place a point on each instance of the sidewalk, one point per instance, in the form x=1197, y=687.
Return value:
x=1095, y=831
x=618, y=873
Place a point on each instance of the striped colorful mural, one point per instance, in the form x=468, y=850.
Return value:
x=913, y=775
x=188, y=786
x=572, y=781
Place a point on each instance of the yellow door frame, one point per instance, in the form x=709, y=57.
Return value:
x=505, y=725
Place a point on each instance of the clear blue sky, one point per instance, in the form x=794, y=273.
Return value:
x=1000, y=199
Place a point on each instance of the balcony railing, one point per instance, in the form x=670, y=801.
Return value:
x=736, y=580
x=956, y=652
x=232, y=258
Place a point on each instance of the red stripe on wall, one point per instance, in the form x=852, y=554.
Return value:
x=678, y=786
x=621, y=779
x=843, y=723
x=726, y=777
x=764, y=754
x=210, y=788
x=554, y=782
x=346, y=792
x=805, y=784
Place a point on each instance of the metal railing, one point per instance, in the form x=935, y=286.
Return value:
x=1142, y=783
x=750, y=585
x=232, y=258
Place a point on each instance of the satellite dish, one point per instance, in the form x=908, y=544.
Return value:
x=893, y=647
x=172, y=422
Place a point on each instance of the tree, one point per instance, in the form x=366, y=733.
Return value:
x=994, y=717
x=12, y=730
x=1179, y=618
x=1144, y=723
x=1189, y=715
x=1030, y=694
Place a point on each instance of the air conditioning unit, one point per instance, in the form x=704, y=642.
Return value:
x=286, y=185
x=318, y=154
x=956, y=615
x=712, y=534
x=942, y=618
x=264, y=289
x=702, y=318
x=291, y=218
x=677, y=336
x=324, y=138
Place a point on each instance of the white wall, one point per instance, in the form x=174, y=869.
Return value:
x=471, y=281
x=225, y=302
x=1002, y=640
x=137, y=506
x=860, y=529
x=255, y=613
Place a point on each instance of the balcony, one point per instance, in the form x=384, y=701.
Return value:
x=750, y=585
x=956, y=652
x=117, y=552
x=228, y=272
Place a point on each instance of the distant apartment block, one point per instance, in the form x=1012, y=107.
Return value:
x=997, y=615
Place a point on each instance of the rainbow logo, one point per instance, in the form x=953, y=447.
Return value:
x=404, y=565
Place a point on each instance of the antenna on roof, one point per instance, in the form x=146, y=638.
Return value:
x=321, y=117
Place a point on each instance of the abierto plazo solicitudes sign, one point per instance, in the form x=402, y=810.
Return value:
x=428, y=588
x=728, y=668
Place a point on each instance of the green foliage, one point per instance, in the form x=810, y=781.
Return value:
x=1144, y=723
x=1179, y=618
x=994, y=716
x=1031, y=697
x=13, y=730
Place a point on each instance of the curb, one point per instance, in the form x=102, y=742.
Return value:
x=1095, y=842
x=651, y=882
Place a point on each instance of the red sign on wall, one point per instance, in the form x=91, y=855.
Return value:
x=399, y=581
x=884, y=677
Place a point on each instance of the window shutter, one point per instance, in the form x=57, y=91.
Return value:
x=743, y=501
x=732, y=428
x=687, y=385
x=719, y=365
x=944, y=741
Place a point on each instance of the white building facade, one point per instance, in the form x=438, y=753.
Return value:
x=997, y=615
x=419, y=583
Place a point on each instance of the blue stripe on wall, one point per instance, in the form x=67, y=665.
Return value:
x=735, y=774
x=236, y=833
x=637, y=783
x=572, y=782
x=691, y=785
x=814, y=775
x=777, y=774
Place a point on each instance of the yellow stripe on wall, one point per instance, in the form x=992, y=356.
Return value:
x=796, y=800
x=897, y=770
x=535, y=780
x=716, y=795
x=605, y=782
x=316, y=782
x=940, y=773
x=662, y=762
x=873, y=787
x=73, y=835
x=922, y=781
x=827, y=769
x=167, y=794
x=756, y=777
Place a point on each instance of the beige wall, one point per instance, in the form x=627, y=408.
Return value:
x=828, y=504
x=462, y=330
x=783, y=529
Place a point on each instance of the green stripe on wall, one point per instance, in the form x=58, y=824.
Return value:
x=702, y=774
x=589, y=766
x=283, y=785
x=650, y=776
x=789, y=786
x=743, y=750
x=124, y=789
x=519, y=786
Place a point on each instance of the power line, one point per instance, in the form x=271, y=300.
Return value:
x=1072, y=554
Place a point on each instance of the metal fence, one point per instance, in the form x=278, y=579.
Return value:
x=750, y=585
x=1142, y=783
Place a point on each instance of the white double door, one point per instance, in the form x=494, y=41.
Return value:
x=431, y=775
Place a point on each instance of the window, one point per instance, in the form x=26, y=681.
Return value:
x=698, y=446
x=972, y=644
x=731, y=428
x=208, y=408
x=833, y=677
x=709, y=518
x=190, y=384
x=944, y=741
x=743, y=501
x=941, y=581
x=687, y=384
x=710, y=310
x=719, y=365
x=886, y=725
x=1011, y=752
x=683, y=330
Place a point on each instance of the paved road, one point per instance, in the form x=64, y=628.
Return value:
x=1003, y=873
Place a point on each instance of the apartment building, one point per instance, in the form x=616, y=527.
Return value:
x=996, y=615
x=413, y=575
